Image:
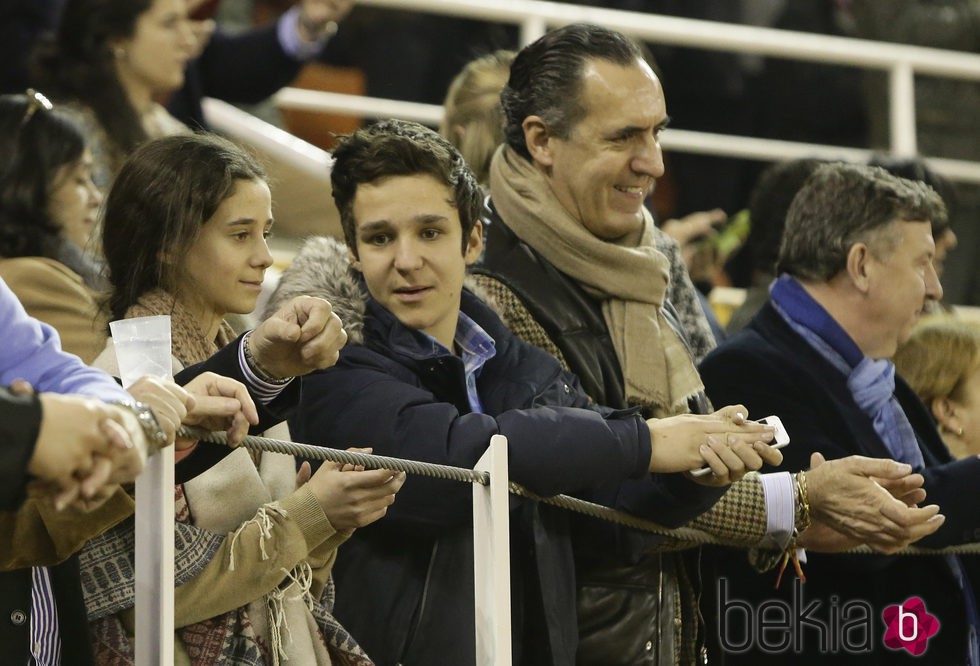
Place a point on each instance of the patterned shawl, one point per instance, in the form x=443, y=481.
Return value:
x=233, y=638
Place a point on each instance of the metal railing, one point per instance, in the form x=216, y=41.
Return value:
x=534, y=17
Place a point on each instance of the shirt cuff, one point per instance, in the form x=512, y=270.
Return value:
x=260, y=389
x=780, y=495
x=287, y=29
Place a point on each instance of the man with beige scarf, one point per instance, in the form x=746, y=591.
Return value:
x=571, y=259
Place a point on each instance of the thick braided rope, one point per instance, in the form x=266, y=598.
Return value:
x=336, y=455
x=684, y=534
x=680, y=534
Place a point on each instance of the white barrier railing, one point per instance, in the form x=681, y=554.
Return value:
x=491, y=530
x=535, y=16
x=490, y=480
x=491, y=557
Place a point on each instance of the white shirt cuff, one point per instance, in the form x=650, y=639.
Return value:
x=780, y=495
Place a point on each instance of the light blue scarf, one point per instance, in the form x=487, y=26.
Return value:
x=871, y=382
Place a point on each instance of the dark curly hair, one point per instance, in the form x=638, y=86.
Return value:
x=401, y=148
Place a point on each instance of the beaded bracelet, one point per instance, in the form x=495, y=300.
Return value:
x=254, y=366
x=803, y=521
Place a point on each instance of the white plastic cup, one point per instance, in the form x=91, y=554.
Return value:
x=142, y=347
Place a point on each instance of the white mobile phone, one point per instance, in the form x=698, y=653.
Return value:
x=780, y=440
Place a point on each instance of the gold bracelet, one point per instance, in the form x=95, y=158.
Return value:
x=803, y=502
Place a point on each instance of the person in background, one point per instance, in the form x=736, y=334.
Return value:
x=473, y=120
x=941, y=362
x=109, y=60
x=184, y=234
x=240, y=68
x=855, y=272
x=248, y=66
x=48, y=211
x=770, y=199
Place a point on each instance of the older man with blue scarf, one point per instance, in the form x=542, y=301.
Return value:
x=855, y=272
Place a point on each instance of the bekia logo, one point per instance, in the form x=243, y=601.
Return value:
x=909, y=626
x=801, y=626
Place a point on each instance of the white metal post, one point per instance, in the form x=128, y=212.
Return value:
x=491, y=558
x=154, y=498
x=901, y=100
x=155, y=561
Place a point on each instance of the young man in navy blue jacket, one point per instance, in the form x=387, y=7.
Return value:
x=431, y=374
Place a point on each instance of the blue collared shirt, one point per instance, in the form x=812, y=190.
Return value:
x=476, y=347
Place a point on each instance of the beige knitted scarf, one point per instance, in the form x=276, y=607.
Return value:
x=629, y=277
x=187, y=338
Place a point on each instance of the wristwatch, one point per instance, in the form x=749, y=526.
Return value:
x=156, y=438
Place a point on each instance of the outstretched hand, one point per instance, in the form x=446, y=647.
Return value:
x=857, y=500
x=351, y=496
x=169, y=402
x=220, y=403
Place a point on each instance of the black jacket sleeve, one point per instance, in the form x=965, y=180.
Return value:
x=20, y=422
x=551, y=449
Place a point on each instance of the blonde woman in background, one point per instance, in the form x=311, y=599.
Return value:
x=474, y=120
x=941, y=362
